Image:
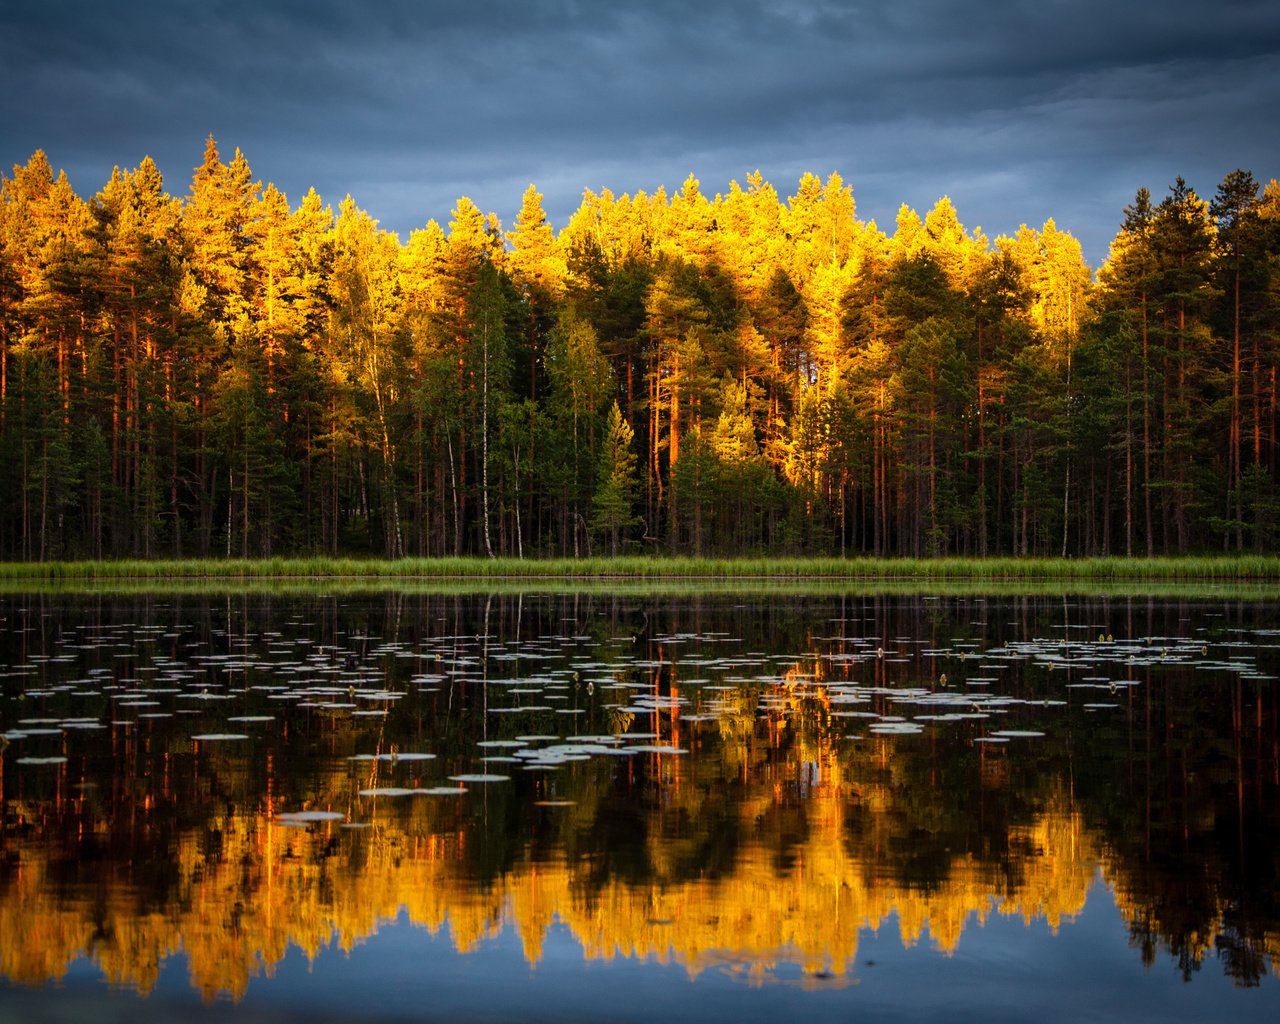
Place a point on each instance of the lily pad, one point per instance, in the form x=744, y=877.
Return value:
x=309, y=817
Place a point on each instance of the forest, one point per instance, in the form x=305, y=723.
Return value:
x=228, y=374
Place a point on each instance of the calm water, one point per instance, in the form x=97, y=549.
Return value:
x=585, y=807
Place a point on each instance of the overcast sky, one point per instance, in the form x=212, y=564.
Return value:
x=1018, y=110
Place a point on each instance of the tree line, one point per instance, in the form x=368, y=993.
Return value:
x=225, y=373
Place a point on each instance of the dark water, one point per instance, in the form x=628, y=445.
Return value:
x=584, y=807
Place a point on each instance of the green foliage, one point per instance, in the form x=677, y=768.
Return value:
x=614, y=498
x=227, y=374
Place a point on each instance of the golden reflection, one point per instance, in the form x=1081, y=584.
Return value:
x=767, y=852
x=245, y=887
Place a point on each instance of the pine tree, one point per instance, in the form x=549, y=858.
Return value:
x=753, y=236
x=579, y=384
x=1183, y=242
x=614, y=500
x=535, y=262
x=1127, y=281
x=1240, y=270
x=370, y=345
x=491, y=304
x=689, y=230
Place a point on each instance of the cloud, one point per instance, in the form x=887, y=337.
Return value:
x=1017, y=109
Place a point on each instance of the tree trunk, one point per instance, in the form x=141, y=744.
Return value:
x=1146, y=433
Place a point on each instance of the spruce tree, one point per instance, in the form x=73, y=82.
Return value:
x=615, y=495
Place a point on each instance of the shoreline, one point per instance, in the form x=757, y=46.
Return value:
x=629, y=569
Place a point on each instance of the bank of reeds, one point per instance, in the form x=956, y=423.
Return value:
x=1262, y=568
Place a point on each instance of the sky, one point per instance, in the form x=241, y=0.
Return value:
x=1019, y=110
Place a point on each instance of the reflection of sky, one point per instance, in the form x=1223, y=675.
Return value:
x=1002, y=971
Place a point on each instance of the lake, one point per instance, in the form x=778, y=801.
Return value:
x=725, y=805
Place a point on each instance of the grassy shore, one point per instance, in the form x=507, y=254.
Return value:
x=1257, y=568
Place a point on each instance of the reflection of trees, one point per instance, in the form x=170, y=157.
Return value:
x=1191, y=826
x=773, y=842
x=235, y=903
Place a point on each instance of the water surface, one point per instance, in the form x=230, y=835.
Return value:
x=591, y=807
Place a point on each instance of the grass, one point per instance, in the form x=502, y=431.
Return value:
x=1238, y=568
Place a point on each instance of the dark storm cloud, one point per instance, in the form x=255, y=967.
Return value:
x=1017, y=110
